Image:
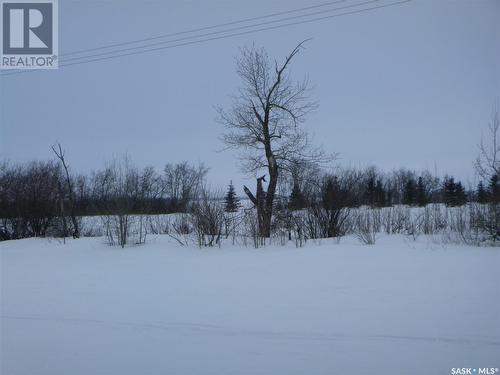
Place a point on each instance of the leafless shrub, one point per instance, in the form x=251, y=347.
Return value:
x=486, y=219
x=233, y=222
x=159, y=224
x=328, y=213
x=395, y=219
x=120, y=188
x=207, y=218
x=124, y=230
x=475, y=224
x=181, y=224
x=283, y=223
x=365, y=226
x=252, y=228
x=299, y=226
x=91, y=229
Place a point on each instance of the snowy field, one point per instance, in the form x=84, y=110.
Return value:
x=398, y=307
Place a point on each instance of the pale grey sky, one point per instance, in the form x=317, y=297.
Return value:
x=411, y=85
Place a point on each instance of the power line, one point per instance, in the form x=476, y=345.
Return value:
x=240, y=33
x=221, y=31
x=203, y=28
x=221, y=37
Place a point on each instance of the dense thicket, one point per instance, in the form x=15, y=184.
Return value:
x=374, y=188
x=34, y=197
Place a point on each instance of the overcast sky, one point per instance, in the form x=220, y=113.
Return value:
x=410, y=85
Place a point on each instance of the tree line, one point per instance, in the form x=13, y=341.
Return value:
x=39, y=198
x=374, y=188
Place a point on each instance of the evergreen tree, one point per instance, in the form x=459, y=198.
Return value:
x=231, y=201
x=421, y=193
x=453, y=192
x=329, y=191
x=380, y=195
x=460, y=195
x=410, y=192
x=449, y=191
x=481, y=193
x=494, y=189
x=297, y=200
x=371, y=191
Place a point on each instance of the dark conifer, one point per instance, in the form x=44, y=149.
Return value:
x=410, y=192
x=449, y=191
x=481, y=193
x=371, y=191
x=297, y=200
x=460, y=195
x=421, y=193
x=494, y=189
x=380, y=195
x=231, y=201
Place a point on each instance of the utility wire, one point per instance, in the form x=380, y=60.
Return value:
x=220, y=31
x=203, y=28
x=220, y=37
x=238, y=34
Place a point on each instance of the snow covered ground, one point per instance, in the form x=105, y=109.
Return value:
x=398, y=307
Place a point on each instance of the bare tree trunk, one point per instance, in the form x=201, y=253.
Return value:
x=261, y=202
x=271, y=193
x=62, y=213
x=60, y=155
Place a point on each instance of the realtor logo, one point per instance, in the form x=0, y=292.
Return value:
x=29, y=37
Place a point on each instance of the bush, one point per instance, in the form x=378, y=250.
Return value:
x=207, y=218
x=365, y=226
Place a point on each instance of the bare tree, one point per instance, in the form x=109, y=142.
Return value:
x=264, y=122
x=59, y=152
x=488, y=162
x=488, y=167
x=183, y=182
